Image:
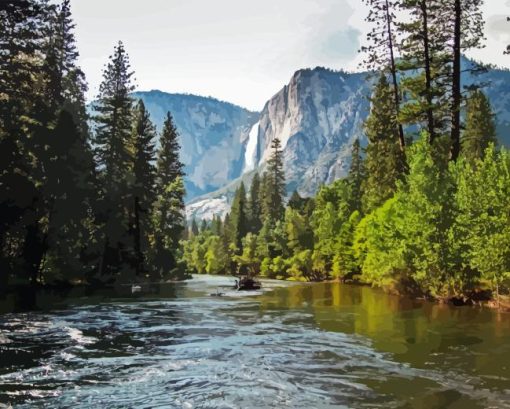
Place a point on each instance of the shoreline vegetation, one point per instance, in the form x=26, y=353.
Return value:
x=423, y=211
x=96, y=199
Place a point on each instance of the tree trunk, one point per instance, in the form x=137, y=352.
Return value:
x=456, y=91
x=428, y=74
x=393, y=68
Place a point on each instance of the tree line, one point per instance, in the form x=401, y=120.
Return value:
x=424, y=208
x=84, y=197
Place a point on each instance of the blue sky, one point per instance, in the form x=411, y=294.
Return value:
x=236, y=50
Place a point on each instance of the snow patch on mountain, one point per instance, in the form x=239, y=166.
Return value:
x=208, y=208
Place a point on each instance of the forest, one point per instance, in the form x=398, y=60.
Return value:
x=86, y=195
x=93, y=195
x=425, y=208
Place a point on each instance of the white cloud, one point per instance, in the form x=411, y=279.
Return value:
x=239, y=51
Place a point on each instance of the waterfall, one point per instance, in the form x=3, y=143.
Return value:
x=250, y=156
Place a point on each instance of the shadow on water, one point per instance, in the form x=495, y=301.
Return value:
x=29, y=298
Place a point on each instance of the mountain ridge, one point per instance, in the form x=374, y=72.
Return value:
x=317, y=116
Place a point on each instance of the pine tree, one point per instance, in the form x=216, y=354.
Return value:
x=239, y=218
x=356, y=176
x=142, y=188
x=296, y=202
x=464, y=22
x=254, y=205
x=194, y=228
x=70, y=185
x=424, y=61
x=382, y=49
x=113, y=137
x=274, y=185
x=70, y=240
x=216, y=225
x=480, y=129
x=169, y=218
x=384, y=161
x=22, y=209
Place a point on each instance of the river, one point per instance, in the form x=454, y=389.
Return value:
x=320, y=345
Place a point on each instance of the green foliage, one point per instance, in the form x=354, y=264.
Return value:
x=483, y=199
x=168, y=214
x=357, y=175
x=344, y=261
x=480, y=128
x=384, y=162
x=377, y=246
x=273, y=185
x=239, y=219
x=216, y=257
x=254, y=205
x=113, y=141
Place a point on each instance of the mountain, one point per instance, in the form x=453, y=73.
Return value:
x=213, y=137
x=317, y=116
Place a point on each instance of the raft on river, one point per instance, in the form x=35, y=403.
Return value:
x=247, y=283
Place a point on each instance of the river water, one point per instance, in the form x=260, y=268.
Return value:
x=323, y=345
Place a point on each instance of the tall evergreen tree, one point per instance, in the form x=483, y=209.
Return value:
x=216, y=225
x=382, y=49
x=463, y=20
x=274, y=185
x=194, y=228
x=480, y=129
x=113, y=137
x=24, y=131
x=143, y=189
x=254, y=205
x=70, y=241
x=384, y=161
x=356, y=175
x=296, y=202
x=169, y=218
x=70, y=186
x=239, y=218
x=424, y=61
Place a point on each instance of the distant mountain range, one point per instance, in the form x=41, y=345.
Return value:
x=317, y=116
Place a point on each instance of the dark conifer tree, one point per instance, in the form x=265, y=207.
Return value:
x=464, y=22
x=113, y=139
x=22, y=27
x=356, y=175
x=424, y=62
x=169, y=217
x=296, y=202
x=254, y=205
x=384, y=161
x=239, y=218
x=273, y=190
x=480, y=127
x=143, y=184
x=194, y=228
x=382, y=48
x=216, y=226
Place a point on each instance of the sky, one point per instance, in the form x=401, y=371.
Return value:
x=240, y=51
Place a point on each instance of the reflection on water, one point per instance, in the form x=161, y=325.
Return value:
x=322, y=345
